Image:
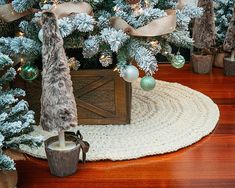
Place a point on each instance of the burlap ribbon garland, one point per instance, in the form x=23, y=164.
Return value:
x=157, y=27
x=8, y=14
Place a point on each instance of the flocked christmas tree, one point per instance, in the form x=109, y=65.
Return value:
x=98, y=33
x=16, y=119
x=223, y=15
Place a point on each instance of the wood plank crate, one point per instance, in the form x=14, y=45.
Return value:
x=102, y=96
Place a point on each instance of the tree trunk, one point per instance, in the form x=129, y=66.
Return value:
x=202, y=64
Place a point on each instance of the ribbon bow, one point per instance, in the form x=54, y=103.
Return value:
x=83, y=144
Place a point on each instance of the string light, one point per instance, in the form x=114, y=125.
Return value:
x=22, y=60
x=19, y=34
x=154, y=44
x=21, y=64
x=55, y=2
x=147, y=4
x=116, y=9
x=137, y=9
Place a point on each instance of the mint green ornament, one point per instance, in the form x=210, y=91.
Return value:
x=147, y=83
x=178, y=61
x=29, y=72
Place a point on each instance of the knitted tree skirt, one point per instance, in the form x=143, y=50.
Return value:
x=164, y=120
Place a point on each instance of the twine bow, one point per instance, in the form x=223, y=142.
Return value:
x=83, y=144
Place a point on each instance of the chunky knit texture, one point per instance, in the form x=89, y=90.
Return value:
x=164, y=120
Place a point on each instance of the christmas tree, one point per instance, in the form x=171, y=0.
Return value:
x=223, y=15
x=16, y=119
x=113, y=27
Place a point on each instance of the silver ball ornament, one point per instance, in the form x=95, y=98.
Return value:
x=40, y=35
x=147, y=83
x=178, y=61
x=131, y=73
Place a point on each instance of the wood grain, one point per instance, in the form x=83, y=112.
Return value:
x=209, y=163
x=102, y=97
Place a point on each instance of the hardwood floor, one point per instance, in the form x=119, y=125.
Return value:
x=208, y=163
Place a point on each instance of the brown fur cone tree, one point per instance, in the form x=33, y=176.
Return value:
x=58, y=106
x=204, y=37
x=204, y=27
x=229, y=45
x=229, y=42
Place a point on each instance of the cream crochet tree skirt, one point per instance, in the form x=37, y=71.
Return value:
x=164, y=120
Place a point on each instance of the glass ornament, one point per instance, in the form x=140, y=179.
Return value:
x=178, y=61
x=147, y=83
x=29, y=72
x=131, y=73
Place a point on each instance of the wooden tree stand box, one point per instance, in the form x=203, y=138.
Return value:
x=102, y=96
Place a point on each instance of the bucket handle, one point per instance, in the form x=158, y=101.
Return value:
x=84, y=146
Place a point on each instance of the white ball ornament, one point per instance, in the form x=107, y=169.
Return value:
x=40, y=35
x=131, y=73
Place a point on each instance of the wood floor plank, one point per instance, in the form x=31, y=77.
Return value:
x=209, y=163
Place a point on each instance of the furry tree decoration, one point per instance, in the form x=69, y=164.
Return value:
x=229, y=43
x=58, y=106
x=204, y=27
